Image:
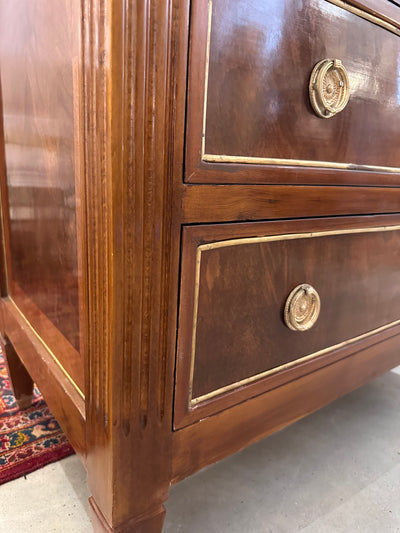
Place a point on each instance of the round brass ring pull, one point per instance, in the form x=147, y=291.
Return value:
x=302, y=308
x=329, y=88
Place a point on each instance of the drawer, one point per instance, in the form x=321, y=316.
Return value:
x=236, y=324
x=251, y=115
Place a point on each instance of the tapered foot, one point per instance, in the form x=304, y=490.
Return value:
x=20, y=379
x=152, y=523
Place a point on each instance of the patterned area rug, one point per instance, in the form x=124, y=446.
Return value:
x=29, y=439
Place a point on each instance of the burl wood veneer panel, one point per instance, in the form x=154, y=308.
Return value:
x=39, y=50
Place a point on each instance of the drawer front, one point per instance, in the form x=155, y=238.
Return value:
x=250, y=113
x=236, y=280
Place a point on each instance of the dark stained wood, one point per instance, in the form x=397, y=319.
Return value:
x=123, y=95
x=39, y=113
x=257, y=91
x=21, y=381
x=60, y=394
x=387, y=9
x=240, y=330
x=228, y=173
x=51, y=335
x=131, y=312
x=184, y=417
x=243, y=290
x=146, y=524
x=225, y=203
x=5, y=266
x=217, y=436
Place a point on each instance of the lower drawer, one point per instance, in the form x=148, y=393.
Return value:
x=250, y=291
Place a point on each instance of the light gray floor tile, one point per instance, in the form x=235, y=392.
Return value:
x=300, y=475
x=52, y=499
x=374, y=509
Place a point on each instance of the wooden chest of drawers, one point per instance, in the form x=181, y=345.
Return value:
x=200, y=224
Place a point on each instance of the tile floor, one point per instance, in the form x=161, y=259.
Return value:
x=336, y=471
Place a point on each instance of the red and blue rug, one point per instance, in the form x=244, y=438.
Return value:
x=29, y=439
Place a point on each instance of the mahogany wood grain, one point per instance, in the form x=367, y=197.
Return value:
x=387, y=10
x=4, y=210
x=243, y=289
x=256, y=98
x=114, y=175
x=215, y=437
x=131, y=311
x=227, y=353
x=228, y=173
x=184, y=417
x=226, y=203
x=146, y=524
x=240, y=331
x=39, y=147
x=69, y=357
x=21, y=381
x=62, y=397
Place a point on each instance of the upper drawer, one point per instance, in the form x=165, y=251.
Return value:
x=250, y=117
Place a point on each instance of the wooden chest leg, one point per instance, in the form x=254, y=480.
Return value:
x=151, y=523
x=21, y=381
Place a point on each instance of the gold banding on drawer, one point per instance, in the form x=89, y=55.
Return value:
x=234, y=310
x=248, y=98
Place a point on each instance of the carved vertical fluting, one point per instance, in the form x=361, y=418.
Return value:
x=131, y=309
x=99, y=249
x=151, y=133
x=98, y=202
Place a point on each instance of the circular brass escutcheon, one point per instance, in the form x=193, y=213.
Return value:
x=329, y=88
x=302, y=308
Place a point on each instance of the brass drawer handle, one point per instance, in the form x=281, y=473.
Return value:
x=302, y=308
x=329, y=88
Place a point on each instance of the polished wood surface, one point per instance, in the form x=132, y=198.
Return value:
x=62, y=397
x=128, y=146
x=243, y=301
x=5, y=263
x=229, y=203
x=258, y=107
x=215, y=437
x=242, y=290
x=132, y=260
x=152, y=523
x=386, y=9
x=19, y=376
x=39, y=46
